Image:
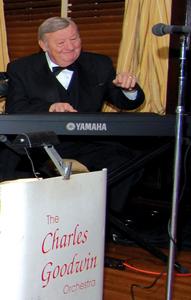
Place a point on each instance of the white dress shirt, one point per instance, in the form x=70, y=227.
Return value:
x=65, y=76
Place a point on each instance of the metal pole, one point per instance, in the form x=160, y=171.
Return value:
x=177, y=169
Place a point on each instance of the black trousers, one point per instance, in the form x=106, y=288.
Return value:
x=114, y=156
x=95, y=154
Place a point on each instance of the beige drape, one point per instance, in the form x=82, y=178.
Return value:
x=143, y=53
x=3, y=49
x=3, y=40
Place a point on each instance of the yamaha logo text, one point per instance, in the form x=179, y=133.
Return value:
x=71, y=126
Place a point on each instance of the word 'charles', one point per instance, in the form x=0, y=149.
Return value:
x=56, y=240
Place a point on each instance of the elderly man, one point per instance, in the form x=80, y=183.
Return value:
x=64, y=78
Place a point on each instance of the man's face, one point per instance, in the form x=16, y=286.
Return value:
x=62, y=46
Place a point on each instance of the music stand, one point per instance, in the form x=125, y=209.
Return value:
x=47, y=140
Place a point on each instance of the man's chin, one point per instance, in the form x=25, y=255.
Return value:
x=68, y=60
x=66, y=63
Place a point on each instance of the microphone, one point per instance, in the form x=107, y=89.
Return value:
x=161, y=29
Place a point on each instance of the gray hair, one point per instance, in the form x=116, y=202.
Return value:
x=51, y=25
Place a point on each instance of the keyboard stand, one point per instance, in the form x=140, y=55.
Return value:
x=130, y=233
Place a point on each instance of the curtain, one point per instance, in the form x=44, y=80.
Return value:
x=143, y=53
x=3, y=49
x=3, y=40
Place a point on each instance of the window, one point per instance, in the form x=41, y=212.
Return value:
x=22, y=19
x=100, y=24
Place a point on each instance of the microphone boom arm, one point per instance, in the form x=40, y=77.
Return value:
x=161, y=29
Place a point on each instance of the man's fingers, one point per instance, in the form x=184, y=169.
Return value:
x=61, y=107
x=125, y=80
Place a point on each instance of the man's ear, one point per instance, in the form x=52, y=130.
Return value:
x=42, y=45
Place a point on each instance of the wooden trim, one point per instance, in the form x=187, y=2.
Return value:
x=64, y=8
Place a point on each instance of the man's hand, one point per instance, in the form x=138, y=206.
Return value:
x=125, y=80
x=61, y=107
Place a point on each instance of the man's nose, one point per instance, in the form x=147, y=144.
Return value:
x=69, y=44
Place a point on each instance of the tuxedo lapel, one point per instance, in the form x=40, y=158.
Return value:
x=73, y=89
x=86, y=82
x=46, y=79
x=90, y=87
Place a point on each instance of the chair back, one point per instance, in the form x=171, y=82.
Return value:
x=3, y=84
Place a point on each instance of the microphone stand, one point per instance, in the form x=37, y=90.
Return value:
x=177, y=168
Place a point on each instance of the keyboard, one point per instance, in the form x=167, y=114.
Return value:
x=94, y=124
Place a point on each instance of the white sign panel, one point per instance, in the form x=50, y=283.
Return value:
x=52, y=238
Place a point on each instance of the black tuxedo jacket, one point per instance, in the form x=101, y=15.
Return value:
x=33, y=87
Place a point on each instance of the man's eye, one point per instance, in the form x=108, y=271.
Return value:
x=74, y=38
x=61, y=44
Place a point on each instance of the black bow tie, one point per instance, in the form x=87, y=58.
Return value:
x=56, y=70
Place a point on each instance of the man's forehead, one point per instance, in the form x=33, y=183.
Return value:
x=70, y=30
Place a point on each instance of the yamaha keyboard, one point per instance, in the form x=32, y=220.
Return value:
x=96, y=124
